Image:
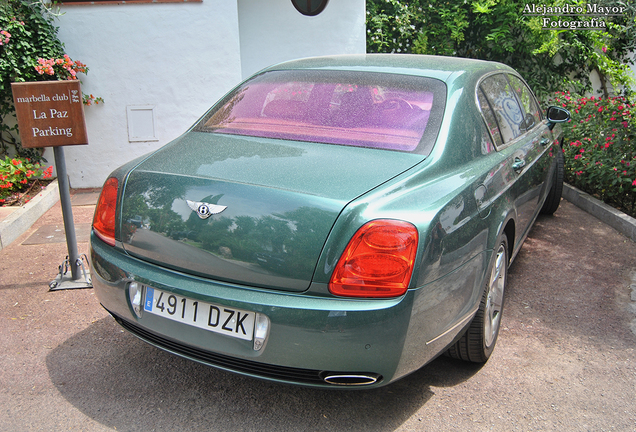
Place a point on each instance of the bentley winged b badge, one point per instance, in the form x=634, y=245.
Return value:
x=205, y=210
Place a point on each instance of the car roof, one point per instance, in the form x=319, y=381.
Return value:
x=439, y=67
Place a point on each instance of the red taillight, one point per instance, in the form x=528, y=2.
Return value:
x=104, y=220
x=378, y=261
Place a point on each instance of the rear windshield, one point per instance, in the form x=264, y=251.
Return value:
x=376, y=110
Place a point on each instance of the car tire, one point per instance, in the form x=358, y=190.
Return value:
x=477, y=343
x=553, y=199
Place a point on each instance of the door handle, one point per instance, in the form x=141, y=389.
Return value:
x=518, y=164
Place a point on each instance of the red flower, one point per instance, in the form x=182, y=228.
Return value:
x=48, y=172
x=25, y=181
x=15, y=162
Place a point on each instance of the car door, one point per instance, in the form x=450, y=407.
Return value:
x=524, y=140
x=538, y=140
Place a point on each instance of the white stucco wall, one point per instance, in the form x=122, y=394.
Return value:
x=273, y=31
x=178, y=57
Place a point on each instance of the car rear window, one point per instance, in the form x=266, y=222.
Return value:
x=376, y=110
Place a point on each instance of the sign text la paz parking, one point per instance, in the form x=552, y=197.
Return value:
x=50, y=113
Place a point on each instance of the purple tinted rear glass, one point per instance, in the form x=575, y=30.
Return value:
x=375, y=110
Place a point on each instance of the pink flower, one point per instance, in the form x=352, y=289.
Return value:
x=604, y=49
x=4, y=40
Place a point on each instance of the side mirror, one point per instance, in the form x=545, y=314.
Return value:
x=557, y=115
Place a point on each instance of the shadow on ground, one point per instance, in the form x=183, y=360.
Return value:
x=126, y=384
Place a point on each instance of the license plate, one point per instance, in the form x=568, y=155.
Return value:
x=219, y=319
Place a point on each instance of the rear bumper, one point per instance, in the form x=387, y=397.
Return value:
x=309, y=337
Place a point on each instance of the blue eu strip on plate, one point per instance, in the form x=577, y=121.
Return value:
x=149, y=295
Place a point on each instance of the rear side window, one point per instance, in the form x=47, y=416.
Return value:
x=503, y=102
x=384, y=111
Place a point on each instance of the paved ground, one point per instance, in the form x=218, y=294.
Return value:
x=565, y=359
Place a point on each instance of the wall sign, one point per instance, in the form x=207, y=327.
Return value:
x=50, y=113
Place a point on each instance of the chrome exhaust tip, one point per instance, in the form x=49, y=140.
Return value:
x=351, y=379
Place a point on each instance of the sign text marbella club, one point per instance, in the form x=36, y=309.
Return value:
x=590, y=16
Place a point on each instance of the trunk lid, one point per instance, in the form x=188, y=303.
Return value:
x=279, y=200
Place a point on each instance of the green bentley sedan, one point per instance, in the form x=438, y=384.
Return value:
x=332, y=222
